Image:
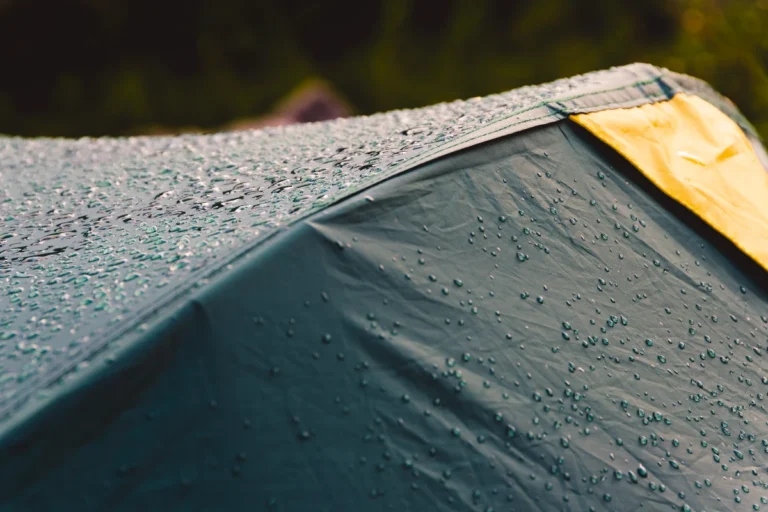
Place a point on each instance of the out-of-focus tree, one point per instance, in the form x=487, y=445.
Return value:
x=75, y=67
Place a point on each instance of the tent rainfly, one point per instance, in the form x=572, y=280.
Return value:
x=553, y=298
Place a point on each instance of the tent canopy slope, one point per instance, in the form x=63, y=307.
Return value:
x=508, y=303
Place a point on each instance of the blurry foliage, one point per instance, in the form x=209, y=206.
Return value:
x=88, y=67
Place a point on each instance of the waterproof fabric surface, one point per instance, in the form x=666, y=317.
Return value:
x=525, y=324
x=99, y=236
x=700, y=158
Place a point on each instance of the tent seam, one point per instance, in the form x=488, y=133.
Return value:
x=8, y=407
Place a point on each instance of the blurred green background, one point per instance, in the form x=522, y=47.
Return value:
x=96, y=67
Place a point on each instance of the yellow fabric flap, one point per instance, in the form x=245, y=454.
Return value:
x=697, y=156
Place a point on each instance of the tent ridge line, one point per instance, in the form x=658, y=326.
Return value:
x=551, y=112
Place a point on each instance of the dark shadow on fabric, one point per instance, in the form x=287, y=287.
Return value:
x=75, y=419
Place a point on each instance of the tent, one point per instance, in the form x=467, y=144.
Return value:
x=548, y=299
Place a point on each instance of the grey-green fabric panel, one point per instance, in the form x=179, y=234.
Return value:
x=526, y=325
x=101, y=236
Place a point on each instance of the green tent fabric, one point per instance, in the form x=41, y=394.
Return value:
x=473, y=306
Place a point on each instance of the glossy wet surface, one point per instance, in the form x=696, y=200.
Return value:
x=94, y=233
x=520, y=327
